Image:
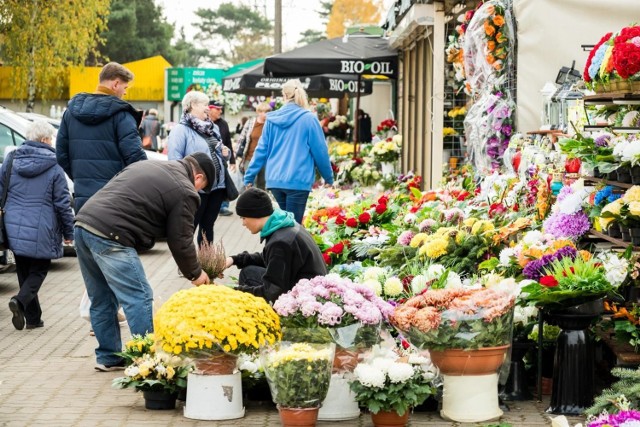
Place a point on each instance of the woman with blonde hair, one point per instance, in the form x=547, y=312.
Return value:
x=248, y=141
x=291, y=147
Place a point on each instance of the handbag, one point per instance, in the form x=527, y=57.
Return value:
x=230, y=187
x=4, y=240
x=146, y=141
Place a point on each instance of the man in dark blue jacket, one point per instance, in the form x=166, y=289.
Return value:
x=98, y=135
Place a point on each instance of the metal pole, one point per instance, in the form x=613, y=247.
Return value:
x=277, y=47
x=540, y=338
x=356, y=121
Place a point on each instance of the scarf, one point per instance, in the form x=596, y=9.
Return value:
x=278, y=219
x=206, y=128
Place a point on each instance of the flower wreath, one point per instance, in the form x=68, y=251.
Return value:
x=626, y=52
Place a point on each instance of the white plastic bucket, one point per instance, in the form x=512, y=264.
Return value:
x=340, y=403
x=214, y=397
x=470, y=398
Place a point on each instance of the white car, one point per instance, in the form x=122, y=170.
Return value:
x=32, y=117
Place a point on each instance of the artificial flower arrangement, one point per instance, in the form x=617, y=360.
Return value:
x=205, y=320
x=387, y=150
x=625, y=322
x=568, y=219
x=298, y=373
x=616, y=57
x=624, y=210
x=385, y=383
x=458, y=318
x=330, y=308
x=573, y=280
x=147, y=370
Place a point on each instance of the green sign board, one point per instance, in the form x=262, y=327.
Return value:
x=181, y=80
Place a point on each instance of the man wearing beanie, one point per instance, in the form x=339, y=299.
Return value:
x=289, y=253
x=147, y=200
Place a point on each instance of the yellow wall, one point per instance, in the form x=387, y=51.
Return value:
x=148, y=84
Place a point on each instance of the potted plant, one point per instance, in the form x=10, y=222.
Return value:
x=159, y=376
x=299, y=376
x=467, y=332
x=389, y=389
x=213, y=325
x=571, y=292
x=187, y=325
x=332, y=309
x=386, y=152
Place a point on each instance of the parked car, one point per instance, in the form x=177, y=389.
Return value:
x=35, y=116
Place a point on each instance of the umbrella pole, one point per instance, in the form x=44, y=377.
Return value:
x=356, y=119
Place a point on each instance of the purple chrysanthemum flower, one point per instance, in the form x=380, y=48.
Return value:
x=534, y=269
x=405, y=237
x=570, y=226
x=629, y=418
x=603, y=140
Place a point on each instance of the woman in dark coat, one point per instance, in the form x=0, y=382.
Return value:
x=38, y=217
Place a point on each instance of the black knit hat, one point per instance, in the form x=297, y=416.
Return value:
x=206, y=164
x=254, y=203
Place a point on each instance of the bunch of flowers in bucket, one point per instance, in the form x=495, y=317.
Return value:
x=385, y=126
x=465, y=318
x=573, y=280
x=154, y=374
x=568, y=219
x=298, y=376
x=387, y=383
x=208, y=323
x=387, y=150
x=332, y=309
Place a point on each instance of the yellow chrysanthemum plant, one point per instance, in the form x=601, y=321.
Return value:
x=207, y=322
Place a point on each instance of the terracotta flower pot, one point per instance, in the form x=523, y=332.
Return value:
x=298, y=417
x=482, y=361
x=390, y=419
x=217, y=364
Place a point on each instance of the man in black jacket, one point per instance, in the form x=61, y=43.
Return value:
x=98, y=134
x=215, y=114
x=290, y=253
x=147, y=200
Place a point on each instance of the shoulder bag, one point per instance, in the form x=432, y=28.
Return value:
x=4, y=240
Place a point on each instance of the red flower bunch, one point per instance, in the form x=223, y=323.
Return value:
x=386, y=125
x=549, y=281
x=626, y=52
x=335, y=250
x=585, y=73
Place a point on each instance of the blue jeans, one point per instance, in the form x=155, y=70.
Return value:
x=113, y=276
x=292, y=201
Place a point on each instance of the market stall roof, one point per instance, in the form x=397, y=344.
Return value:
x=251, y=81
x=352, y=54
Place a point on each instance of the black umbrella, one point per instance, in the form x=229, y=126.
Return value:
x=251, y=81
x=355, y=55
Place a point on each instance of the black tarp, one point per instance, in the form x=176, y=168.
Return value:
x=251, y=81
x=351, y=55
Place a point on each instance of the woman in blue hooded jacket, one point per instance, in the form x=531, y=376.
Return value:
x=38, y=217
x=292, y=146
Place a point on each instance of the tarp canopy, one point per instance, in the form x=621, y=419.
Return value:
x=251, y=81
x=354, y=55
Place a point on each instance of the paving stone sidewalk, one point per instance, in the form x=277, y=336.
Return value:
x=47, y=376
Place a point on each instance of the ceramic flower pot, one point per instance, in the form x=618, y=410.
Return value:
x=387, y=167
x=298, y=417
x=389, y=419
x=156, y=400
x=483, y=361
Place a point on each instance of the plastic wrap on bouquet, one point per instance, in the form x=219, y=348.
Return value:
x=314, y=335
x=298, y=373
x=488, y=45
x=351, y=341
x=468, y=334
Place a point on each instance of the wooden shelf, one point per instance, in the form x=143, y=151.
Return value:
x=608, y=182
x=615, y=241
x=624, y=352
x=609, y=98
